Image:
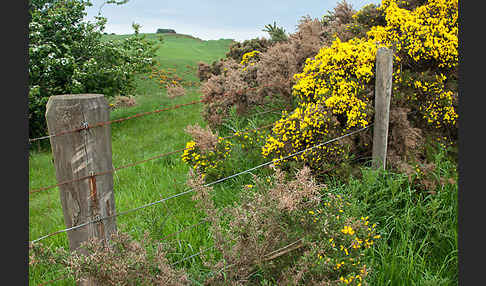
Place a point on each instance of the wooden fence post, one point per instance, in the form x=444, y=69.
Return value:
x=383, y=87
x=79, y=154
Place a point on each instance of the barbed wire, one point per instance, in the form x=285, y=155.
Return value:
x=262, y=87
x=134, y=163
x=205, y=185
x=99, y=124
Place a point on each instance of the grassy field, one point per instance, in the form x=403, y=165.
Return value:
x=134, y=140
x=419, y=230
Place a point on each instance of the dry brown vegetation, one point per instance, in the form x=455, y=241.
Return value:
x=123, y=261
x=175, y=90
x=269, y=80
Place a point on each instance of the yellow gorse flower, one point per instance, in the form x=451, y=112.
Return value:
x=335, y=81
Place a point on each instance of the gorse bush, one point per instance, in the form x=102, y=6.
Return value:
x=68, y=55
x=122, y=261
x=269, y=80
x=175, y=90
x=335, y=88
x=277, y=217
x=238, y=49
x=236, y=86
x=206, y=152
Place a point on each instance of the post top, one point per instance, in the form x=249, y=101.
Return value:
x=65, y=100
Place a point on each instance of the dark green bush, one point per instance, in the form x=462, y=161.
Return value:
x=277, y=34
x=238, y=49
x=68, y=55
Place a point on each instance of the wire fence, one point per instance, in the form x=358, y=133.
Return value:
x=260, y=88
x=269, y=256
x=205, y=185
x=32, y=191
x=382, y=96
x=186, y=228
x=99, y=124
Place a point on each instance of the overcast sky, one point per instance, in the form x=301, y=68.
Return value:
x=213, y=19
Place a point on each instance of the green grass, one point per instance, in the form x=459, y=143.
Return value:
x=419, y=230
x=134, y=140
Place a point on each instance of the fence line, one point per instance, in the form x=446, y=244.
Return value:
x=268, y=255
x=114, y=121
x=137, y=115
x=380, y=139
x=134, y=163
x=206, y=185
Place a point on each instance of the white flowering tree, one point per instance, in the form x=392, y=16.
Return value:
x=68, y=55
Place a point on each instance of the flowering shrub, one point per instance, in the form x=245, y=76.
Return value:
x=206, y=152
x=303, y=127
x=245, y=59
x=235, y=86
x=279, y=217
x=265, y=72
x=68, y=55
x=169, y=76
x=250, y=140
x=335, y=254
x=335, y=88
x=205, y=71
x=238, y=49
x=426, y=39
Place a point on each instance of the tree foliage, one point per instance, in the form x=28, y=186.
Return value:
x=69, y=55
x=277, y=34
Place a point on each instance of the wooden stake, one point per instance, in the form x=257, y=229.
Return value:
x=383, y=87
x=82, y=154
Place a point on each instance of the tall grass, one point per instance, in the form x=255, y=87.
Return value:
x=419, y=229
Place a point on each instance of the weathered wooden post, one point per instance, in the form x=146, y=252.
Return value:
x=383, y=88
x=82, y=154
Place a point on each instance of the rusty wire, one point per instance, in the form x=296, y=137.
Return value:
x=114, y=121
x=133, y=164
x=133, y=116
x=97, y=220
